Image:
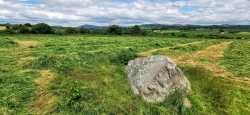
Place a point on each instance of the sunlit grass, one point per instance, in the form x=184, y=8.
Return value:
x=236, y=58
x=2, y=28
x=89, y=76
x=244, y=33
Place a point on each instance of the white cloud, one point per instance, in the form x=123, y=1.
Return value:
x=106, y=12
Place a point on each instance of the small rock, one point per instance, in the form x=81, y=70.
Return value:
x=187, y=103
x=156, y=77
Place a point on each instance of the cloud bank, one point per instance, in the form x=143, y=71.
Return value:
x=125, y=12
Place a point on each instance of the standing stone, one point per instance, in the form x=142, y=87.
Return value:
x=154, y=78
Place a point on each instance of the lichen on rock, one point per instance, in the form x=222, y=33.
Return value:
x=156, y=77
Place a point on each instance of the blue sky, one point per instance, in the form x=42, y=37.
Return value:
x=29, y=1
x=125, y=12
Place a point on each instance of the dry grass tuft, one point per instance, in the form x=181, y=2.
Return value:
x=44, y=102
x=26, y=44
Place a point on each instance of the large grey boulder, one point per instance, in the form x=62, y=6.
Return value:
x=154, y=78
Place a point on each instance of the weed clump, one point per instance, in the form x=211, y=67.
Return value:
x=75, y=96
x=44, y=62
x=7, y=43
x=123, y=56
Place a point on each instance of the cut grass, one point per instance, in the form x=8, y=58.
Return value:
x=167, y=31
x=244, y=33
x=180, y=50
x=88, y=77
x=2, y=28
x=236, y=58
x=44, y=102
x=214, y=95
x=148, y=53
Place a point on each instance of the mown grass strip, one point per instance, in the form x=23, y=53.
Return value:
x=236, y=58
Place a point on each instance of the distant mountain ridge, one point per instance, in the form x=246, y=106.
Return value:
x=176, y=26
x=88, y=26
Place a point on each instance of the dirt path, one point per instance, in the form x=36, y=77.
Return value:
x=212, y=54
x=149, y=52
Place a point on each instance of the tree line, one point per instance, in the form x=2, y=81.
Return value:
x=43, y=28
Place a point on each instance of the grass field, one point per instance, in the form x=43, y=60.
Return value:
x=60, y=74
x=2, y=27
x=244, y=33
x=167, y=31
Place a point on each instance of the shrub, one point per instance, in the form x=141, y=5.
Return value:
x=83, y=30
x=15, y=27
x=173, y=34
x=136, y=30
x=71, y=30
x=124, y=56
x=43, y=62
x=27, y=25
x=65, y=65
x=41, y=28
x=8, y=31
x=144, y=32
x=7, y=25
x=24, y=30
x=75, y=95
x=114, y=29
x=183, y=35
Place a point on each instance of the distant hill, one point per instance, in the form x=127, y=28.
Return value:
x=92, y=26
x=193, y=27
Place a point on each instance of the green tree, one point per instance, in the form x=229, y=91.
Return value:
x=83, y=30
x=173, y=34
x=41, y=28
x=71, y=30
x=136, y=30
x=24, y=30
x=27, y=25
x=15, y=27
x=114, y=29
x=7, y=25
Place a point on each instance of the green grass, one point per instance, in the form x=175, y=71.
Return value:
x=213, y=95
x=89, y=76
x=167, y=31
x=182, y=50
x=236, y=58
x=16, y=88
x=244, y=33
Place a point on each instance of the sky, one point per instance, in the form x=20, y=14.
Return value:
x=125, y=12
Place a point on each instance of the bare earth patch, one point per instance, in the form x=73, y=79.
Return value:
x=44, y=100
x=212, y=53
x=149, y=52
